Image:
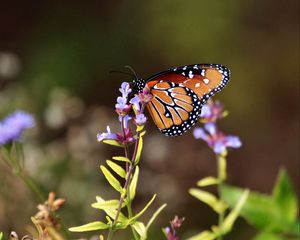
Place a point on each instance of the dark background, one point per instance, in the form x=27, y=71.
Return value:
x=55, y=59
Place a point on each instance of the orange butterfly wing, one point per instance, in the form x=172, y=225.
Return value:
x=179, y=93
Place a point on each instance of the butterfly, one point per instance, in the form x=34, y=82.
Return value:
x=178, y=94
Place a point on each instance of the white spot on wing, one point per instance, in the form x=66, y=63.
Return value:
x=191, y=75
x=197, y=85
x=206, y=81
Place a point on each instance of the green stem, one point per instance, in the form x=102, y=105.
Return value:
x=15, y=166
x=30, y=184
x=221, y=178
x=129, y=174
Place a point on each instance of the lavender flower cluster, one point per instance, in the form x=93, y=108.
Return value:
x=124, y=107
x=215, y=139
x=13, y=126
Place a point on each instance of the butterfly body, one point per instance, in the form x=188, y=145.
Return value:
x=177, y=94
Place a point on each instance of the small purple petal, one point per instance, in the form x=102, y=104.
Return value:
x=233, y=141
x=205, y=111
x=211, y=128
x=106, y=135
x=199, y=133
x=121, y=103
x=136, y=102
x=140, y=119
x=125, y=121
x=219, y=147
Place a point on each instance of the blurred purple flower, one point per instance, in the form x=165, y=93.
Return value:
x=12, y=127
x=215, y=139
x=175, y=225
x=140, y=119
x=212, y=111
x=107, y=135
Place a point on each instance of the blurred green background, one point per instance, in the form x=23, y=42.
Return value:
x=55, y=58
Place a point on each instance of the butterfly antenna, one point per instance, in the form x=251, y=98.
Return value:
x=133, y=72
x=126, y=73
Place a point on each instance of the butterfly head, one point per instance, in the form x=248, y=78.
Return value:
x=139, y=84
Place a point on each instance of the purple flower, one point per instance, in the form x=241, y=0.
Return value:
x=140, y=119
x=212, y=111
x=106, y=135
x=125, y=89
x=135, y=101
x=215, y=139
x=124, y=120
x=12, y=127
x=171, y=232
x=122, y=106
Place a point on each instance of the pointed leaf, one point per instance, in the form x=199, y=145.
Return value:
x=112, y=212
x=209, y=199
x=131, y=220
x=140, y=228
x=110, y=204
x=233, y=215
x=205, y=235
x=207, y=181
x=116, y=168
x=113, y=143
x=111, y=179
x=154, y=216
x=121, y=159
x=140, y=128
x=139, y=150
x=90, y=227
x=133, y=184
x=285, y=197
x=142, y=133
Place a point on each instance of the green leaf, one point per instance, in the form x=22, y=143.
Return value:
x=208, y=181
x=117, y=169
x=259, y=209
x=113, y=143
x=209, y=199
x=268, y=236
x=205, y=235
x=142, y=133
x=111, y=179
x=110, y=204
x=131, y=220
x=139, y=151
x=1, y=235
x=233, y=215
x=121, y=159
x=154, y=216
x=140, y=228
x=285, y=197
x=112, y=212
x=133, y=184
x=90, y=227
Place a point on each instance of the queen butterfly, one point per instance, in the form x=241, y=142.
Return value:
x=179, y=93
